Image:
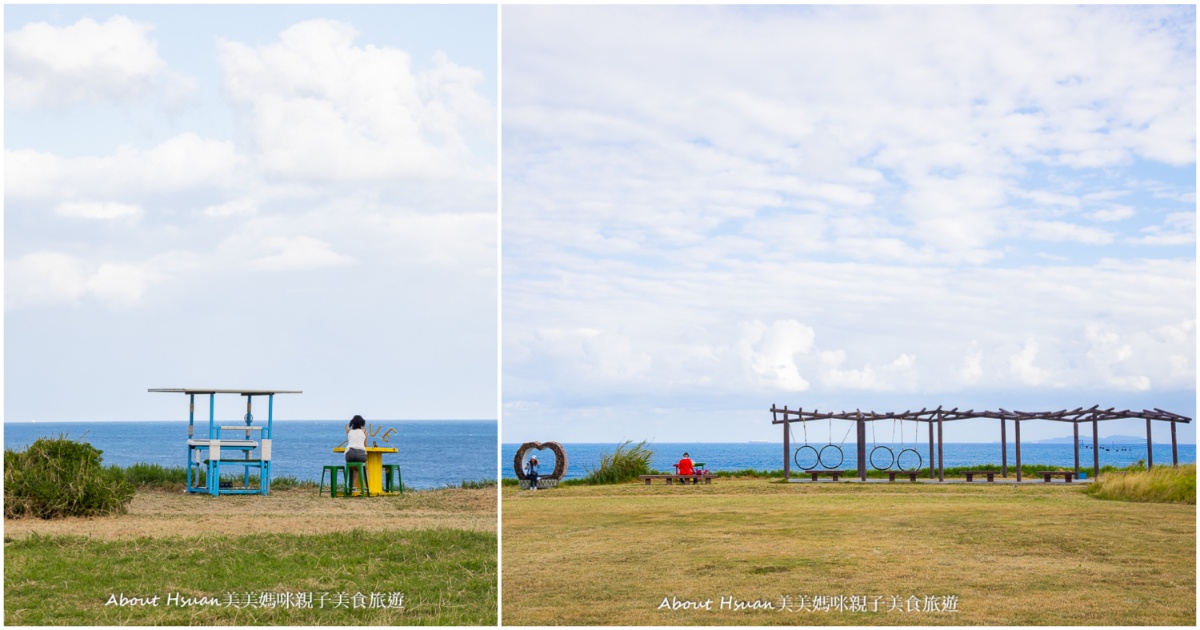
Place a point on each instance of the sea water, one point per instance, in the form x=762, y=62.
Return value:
x=431, y=453
x=769, y=456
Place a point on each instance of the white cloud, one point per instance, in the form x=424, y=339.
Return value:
x=98, y=210
x=1060, y=231
x=770, y=352
x=972, y=367
x=43, y=277
x=1115, y=213
x=322, y=108
x=1178, y=228
x=298, y=253
x=1022, y=365
x=49, y=278
x=928, y=120
x=231, y=208
x=85, y=63
x=119, y=283
x=183, y=162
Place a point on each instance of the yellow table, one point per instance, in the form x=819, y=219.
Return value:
x=374, y=467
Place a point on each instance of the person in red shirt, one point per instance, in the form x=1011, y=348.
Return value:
x=685, y=465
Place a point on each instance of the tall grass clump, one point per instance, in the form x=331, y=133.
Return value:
x=478, y=484
x=623, y=464
x=1163, y=484
x=58, y=477
x=152, y=475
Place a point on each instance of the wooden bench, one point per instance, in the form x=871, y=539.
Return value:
x=1046, y=474
x=682, y=478
x=912, y=476
x=832, y=473
x=991, y=474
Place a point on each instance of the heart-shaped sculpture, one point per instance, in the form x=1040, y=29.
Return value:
x=560, y=459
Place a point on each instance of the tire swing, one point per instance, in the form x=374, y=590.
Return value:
x=916, y=439
x=837, y=449
x=880, y=452
x=805, y=451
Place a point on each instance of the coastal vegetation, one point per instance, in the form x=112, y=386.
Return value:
x=1034, y=554
x=625, y=463
x=1162, y=484
x=57, y=477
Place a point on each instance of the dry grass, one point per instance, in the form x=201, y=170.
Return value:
x=302, y=511
x=1165, y=484
x=1030, y=555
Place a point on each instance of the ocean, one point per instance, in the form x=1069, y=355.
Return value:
x=769, y=456
x=432, y=453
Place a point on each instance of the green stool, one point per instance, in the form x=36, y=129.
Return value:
x=333, y=475
x=362, y=478
x=388, y=469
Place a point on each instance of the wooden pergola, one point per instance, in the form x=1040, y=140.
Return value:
x=938, y=416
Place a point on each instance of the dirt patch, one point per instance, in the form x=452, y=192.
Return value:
x=165, y=514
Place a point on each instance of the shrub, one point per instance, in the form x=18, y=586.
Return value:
x=57, y=477
x=1163, y=484
x=623, y=464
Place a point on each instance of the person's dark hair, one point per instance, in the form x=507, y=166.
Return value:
x=357, y=422
x=686, y=455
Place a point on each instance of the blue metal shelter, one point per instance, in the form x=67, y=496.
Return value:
x=207, y=452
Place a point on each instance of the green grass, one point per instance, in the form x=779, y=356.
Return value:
x=448, y=577
x=155, y=476
x=623, y=464
x=1163, y=484
x=1029, y=555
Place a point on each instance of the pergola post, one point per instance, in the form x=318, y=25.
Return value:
x=1149, y=447
x=930, y=449
x=1017, y=432
x=1174, y=447
x=941, y=457
x=1076, y=425
x=1095, y=448
x=1003, y=448
x=787, y=445
x=862, y=448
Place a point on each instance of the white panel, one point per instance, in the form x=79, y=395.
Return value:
x=266, y=450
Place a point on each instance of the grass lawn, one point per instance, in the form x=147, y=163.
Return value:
x=1038, y=554
x=257, y=559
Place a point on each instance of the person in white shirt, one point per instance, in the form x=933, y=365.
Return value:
x=356, y=445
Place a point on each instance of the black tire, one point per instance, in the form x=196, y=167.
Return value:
x=914, y=468
x=890, y=455
x=821, y=456
x=815, y=455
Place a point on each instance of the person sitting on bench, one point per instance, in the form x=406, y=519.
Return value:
x=531, y=472
x=685, y=465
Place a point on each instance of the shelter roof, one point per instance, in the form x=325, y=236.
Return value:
x=209, y=390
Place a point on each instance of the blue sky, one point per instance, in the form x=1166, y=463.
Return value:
x=710, y=210
x=298, y=197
